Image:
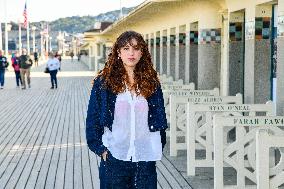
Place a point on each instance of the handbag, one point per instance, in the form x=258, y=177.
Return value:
x=46, y=70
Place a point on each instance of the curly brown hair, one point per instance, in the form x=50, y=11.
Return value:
x=115, y=75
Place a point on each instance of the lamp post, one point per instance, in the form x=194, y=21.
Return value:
x=46, y=42
x=20, y=36
x=6, y=29
x=33, y=29
x=41, y=44
x=50, y=48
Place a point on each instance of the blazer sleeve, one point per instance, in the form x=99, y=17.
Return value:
x=94, y=130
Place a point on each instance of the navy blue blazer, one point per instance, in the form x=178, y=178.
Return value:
x=100, y=114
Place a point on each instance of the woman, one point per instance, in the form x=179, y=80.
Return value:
x=126, y=118
x=53, y=65
x=16, y=65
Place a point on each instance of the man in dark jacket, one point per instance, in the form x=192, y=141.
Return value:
x=25, y=66
x=3, y=65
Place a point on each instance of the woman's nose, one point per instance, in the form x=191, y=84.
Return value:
x=131, y=51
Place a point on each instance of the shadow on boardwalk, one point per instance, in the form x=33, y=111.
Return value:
x=42, y=131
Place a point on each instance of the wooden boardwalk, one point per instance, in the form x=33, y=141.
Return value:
x=42, y=143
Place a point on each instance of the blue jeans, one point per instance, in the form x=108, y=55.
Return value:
x=18, y=78
x=53, y=78
x=118, y=174
x=2, y=77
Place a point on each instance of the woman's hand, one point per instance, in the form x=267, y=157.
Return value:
x=104, y=155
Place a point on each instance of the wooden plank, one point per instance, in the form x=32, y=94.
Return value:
x=31, y=165
x=11, y=159
x=163, y=182
x=69, y=168
x=24, y=166
x=61, y=153
x=93, y=159
x=170, y=178
x=54, y=154
x=46, y=145
x=86, y=167
x=50, y=157
x=78, y=180
x=175, y=173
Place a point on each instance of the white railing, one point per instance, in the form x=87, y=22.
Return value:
x=185, y=93
x=178, y=114
x=200, y=128
x=241, y=153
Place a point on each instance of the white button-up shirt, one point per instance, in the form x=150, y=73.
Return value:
x=53, y=64
x=131, y=139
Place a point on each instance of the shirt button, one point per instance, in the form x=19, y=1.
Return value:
x=150, y=115
x=152, y=127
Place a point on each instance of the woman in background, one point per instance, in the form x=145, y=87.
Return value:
x=53, y=66
x=16, y=65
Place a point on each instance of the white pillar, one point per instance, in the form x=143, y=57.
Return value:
x=249, y=54
x=224, y=83
x=280, y=60
x=96, y=57
x=187, y=55
x=6, y=33
x=90, y=59
x=20, y=37
x=1, y=36
x=161, y=52
x=168, y=51
x=155, y=52
x=46, y=43
x=177, y=54
x=28, y=38
x=149, y=43
x=33, y=39
x=41, y=45
x=101, y=50
x=6, y=39
x=50, y=48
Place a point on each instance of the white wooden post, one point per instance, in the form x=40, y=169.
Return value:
x=161, y=52
x=177, y=54
x=262, y=160
x=168, y=52
x=187, y=54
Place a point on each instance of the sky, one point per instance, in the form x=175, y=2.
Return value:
x=49, y=10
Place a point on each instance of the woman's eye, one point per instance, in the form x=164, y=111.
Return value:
x=125, y=48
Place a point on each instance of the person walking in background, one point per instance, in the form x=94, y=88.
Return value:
x=36, y=57
x=3, y=65
x=72, y=55
x=126, y=118
x=53, y=66
x=25, y=66
x=79, y=56
x=16, y=65
x=58, y=56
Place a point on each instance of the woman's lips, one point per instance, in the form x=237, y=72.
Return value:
x=131, y=59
